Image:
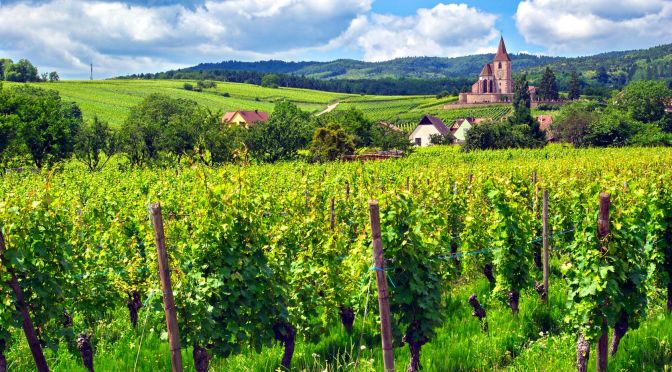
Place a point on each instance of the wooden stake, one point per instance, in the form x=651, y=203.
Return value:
x=347, y=190
x=545, y=244
x=27, y=323
x=408, y=183
x=332, y=216
x=603, y=233
x=168, y=300
x=381, y=280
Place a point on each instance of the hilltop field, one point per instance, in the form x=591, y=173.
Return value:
x=111, y=100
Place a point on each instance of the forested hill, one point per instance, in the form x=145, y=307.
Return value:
x=652, y=63
x=410, y=67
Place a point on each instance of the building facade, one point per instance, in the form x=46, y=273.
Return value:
x=495, y=82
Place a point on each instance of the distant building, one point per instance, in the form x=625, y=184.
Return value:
x=545, y=123
x=428, y=126
x=495, y=82
x=245, y=118
x=460, y=127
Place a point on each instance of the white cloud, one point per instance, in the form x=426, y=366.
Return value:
x=122, y=38
x=445, y=30
x=590, y=26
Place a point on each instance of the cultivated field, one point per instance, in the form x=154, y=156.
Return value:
x=111, y=100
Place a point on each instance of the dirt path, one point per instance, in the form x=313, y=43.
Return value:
x=329, y=108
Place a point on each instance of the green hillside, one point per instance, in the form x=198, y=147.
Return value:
x=111, y=100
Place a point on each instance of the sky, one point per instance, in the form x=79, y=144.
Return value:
x=133, y=36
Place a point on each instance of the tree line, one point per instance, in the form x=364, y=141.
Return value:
x=385, y=86
x=37, y=127
x=24, y=71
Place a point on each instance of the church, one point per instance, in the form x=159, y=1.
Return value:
x=495, y=83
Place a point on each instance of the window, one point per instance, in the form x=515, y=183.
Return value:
x=418, y=141
x=500, y=65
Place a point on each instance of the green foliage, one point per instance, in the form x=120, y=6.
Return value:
x=45, y=126
x=93, y=140
x=22, y=71
x=288, y=130
x=511, y=233
x=611, y=128
x=645, y=101
x=574, y=87
x=573, y=122
x=548, y=90
x=442, y=139
x=330, y=143
x=270, y=81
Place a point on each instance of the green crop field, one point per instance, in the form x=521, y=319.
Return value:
x=111, y=100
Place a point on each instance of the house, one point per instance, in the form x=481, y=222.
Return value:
x=545, y=122
x=427, y=126
x=460, y=127
x=245, y=118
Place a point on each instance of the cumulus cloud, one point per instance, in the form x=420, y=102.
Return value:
x=121, y=37
x=445, y=30
x=131, y=36
x=591, y=26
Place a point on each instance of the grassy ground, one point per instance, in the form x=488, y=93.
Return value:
x=533, y=341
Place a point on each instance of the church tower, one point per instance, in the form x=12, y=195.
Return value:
x=502, y=69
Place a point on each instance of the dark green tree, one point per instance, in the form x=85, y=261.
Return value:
x=442, y=139
x=53, y=76
x=330, y=143
x=354, y=122
x=612, y=128
x=45, y=126
x=548, y=90
x=95, y=144
x=4, y=63
x=572, y=124
x=21, y=71
x=287, y=131
x=574, y=87
x=524, y=126
x=270, y=81
x=645, y=100
x=602, y=76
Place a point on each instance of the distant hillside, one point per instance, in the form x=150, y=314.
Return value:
x=599, y=74
x=652, y=63
x=411, y=67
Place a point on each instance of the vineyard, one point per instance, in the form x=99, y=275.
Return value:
x=272, y=264
x=112, y=100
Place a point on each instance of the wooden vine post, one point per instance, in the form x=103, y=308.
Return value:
x=168, y=299
x=27, y=323
x=381, y=280
x=347, y=190
x=545, y=244
x=603, y=233
x=332, y=215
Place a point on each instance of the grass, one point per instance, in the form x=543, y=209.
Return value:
x=533, y=341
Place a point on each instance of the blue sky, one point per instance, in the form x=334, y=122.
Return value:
x=133, y=36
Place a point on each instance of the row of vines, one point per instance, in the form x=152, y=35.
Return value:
x=257, y=258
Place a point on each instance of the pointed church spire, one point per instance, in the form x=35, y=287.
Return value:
x=502, y=55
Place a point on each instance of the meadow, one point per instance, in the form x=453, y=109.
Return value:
x=281, y=212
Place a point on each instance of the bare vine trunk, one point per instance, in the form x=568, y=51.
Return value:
x=347, y=318
x=602, y=349
x=582, y=354
x=669, y=296
x=514, y=298
x=479, y=312
x=3, y=359
x=541, y=290
x=537, y=259
x=286, y=334
x=201, y=359
x=414, y=364
x=134, y=304
x=620, y=328
x=85, y=350
x=487, y=271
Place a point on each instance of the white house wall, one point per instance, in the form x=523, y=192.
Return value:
x=423, y=132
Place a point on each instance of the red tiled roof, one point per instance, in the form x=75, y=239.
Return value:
x=249, y=116
x=502, y=55
x=545, y=122
x=487, y=70
x=436, y=122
